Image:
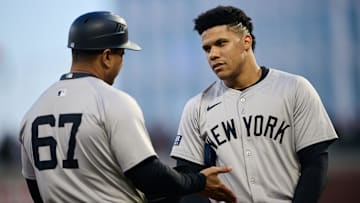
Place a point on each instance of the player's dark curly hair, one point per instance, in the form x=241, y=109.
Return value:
x=224, y=15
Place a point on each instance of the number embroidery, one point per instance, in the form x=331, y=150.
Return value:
x=50, y=141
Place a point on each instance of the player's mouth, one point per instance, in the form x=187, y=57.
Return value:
x=217, y=66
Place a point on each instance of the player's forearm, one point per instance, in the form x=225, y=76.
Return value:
x=158, y=180
x=190, y=167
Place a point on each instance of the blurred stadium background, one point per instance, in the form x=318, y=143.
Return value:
x=317, y=39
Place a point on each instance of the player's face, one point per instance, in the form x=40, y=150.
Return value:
x=116, y=63
x=225, y=51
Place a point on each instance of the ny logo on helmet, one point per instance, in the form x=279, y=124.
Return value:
x=121, y=28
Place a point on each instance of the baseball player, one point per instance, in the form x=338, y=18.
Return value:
x=271, y=126
x=85, y=141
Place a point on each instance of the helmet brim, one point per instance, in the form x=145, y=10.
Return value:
x=131, y=45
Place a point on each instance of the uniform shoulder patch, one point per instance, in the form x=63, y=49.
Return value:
x=177, y=139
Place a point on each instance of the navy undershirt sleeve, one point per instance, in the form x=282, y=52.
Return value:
x=34, y=190
x=190, y=167
x=158, y=180
x=314, y=166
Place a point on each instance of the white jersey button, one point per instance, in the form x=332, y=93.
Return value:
x=242, y=99
x=252, y=180
x=248, y=152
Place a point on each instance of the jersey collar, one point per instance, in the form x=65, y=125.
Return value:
x=264, y=73
x=68, y=76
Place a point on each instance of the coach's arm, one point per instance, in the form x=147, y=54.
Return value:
x=159, y=181
x=34, y=190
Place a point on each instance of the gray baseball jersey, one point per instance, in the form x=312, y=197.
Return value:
x=257, y=131
x=79, y=138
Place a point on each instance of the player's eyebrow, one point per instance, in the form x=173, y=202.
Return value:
x=217, y=42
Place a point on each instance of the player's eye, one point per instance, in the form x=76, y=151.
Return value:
x=206, y=49
x=220, y=43
x=120, y=52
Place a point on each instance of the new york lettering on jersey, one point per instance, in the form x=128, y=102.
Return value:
x=224, y=125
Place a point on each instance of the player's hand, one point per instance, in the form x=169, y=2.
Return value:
x=215, y=188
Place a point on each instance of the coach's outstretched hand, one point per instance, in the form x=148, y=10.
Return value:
x=215, y=188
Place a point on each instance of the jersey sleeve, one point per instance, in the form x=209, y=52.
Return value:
x=188, y=144
x=27, y=168
x=311, y=121
x=129, y=139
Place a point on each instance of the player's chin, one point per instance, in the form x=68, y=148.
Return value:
x=221, y=75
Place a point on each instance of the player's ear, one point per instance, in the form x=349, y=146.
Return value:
x=106, y=58
x=247, y=40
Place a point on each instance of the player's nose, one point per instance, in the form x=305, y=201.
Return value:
x=213, y=54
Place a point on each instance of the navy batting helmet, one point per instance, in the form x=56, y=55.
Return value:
x=100, y=30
